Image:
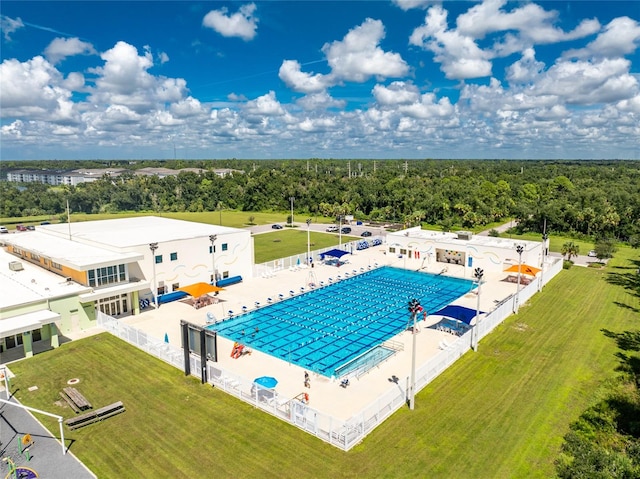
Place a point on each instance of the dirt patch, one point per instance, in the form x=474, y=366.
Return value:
x=520, y=327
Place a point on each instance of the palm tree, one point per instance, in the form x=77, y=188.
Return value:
x=570, y=249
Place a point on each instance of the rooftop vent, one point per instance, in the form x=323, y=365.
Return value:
x=15, y=266
x=465, y=235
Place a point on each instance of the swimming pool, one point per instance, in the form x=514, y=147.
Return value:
x=327, y=327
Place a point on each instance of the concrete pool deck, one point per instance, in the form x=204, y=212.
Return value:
x=325, y=394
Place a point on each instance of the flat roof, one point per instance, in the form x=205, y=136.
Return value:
x=449, y=238
x=136, y=231
x=32, y=283
x=74, y=254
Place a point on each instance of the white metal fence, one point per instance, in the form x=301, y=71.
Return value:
x=339, y=433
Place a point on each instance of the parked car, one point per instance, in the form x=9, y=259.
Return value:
x=31, y=228
x=345, y=230
x=366, y=233
x=46, y=223
x=332, y=229
x=21, y=228
x=3, y=230
x=276, y=227
x=592, y=254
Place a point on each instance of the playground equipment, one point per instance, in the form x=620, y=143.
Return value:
x=18, y=472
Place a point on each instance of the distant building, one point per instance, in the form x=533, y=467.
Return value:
x=462, y=249
x=113, y=266
x=85, y=175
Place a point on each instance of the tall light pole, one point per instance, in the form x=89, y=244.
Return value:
x=478, y=273
x=545, y=237
x=414, y=308
x=519, y=250
x=340, y=230
x=308, y=242
x=213, y=238
x=153, y=247
x=291, y=199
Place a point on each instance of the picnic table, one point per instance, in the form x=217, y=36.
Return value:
x=76, y=400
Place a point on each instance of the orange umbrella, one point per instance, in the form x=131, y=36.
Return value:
x=523, y=269
x=199, y=289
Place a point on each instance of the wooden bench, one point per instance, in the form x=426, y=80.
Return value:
x=76, y=400
x=95, y=416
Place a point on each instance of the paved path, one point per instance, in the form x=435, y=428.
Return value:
x=45, y=456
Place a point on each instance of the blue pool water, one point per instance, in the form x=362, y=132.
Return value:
x=325, y=328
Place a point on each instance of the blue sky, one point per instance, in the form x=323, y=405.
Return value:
x=320, y=79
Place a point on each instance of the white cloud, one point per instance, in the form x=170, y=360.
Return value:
x=427, y=107
x=525, y=70
x=315, y=125
x=397, y=93
x=460, y=56
x=297, y=80
x=265, y=105
x=242, y=24
x=409, y=4
x=9, y=25
x=358, y=56
x=620, y=37
x=124, y=80
x=163, y=57
x=319, y=101
x=34, y=89
x=61, y=48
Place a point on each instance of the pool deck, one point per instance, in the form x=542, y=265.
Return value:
x=325, y=394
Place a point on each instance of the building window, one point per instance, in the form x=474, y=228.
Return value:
x=107, y=275
x=162, y=290
x=175, y=286
x=92, y=277
x=35, y=257
x=225, y=274
x=56, y=266
x=159, y=259
x=123, y=274
x=212, y=249
x=224, y=246
x=174, y=256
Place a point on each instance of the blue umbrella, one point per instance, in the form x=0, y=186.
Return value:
x=166, y=337
x=266, y=382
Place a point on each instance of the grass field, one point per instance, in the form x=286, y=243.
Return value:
x=498, y=413
x=286, y=242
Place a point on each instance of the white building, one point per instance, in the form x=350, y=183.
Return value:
x=463, y=249
x=121, y=262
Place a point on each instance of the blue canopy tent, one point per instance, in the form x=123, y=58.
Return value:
x=335, y=254
x=460, y=313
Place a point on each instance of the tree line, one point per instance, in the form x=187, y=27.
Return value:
x=583, y=198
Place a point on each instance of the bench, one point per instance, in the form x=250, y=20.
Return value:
x=229, y=281
x=95, y=416
x=76, y=400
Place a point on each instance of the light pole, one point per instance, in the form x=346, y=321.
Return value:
x=213, y=238
x=153, y=247
x=291, y=198
x=545, y=237
x=340, y=230
x=519, y=250
x=414, y=308
x=308, y=242
x=478, y=273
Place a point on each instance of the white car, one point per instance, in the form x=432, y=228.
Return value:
x=3, y=230
x=592, y=254
x=332, y=229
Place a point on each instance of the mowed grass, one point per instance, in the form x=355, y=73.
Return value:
x=289, y=241
x=498, y=413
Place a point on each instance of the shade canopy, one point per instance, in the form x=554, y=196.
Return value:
x=457, y=312
x=198, y=289
x=523, y=269
x=266, y=382
x=334, y=253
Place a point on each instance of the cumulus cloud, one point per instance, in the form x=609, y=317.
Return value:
x=397, y=93
x=242, y=24
x=319, y=101
x=525, y=70
x=620, y=37
x=358, y=56
x=409, y=4
x=9, y=25
x=290, y=73
x=124, y=80
x=61, y=48
x=459, y=55
x=265, y=105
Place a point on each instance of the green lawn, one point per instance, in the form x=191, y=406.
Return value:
x=289, y=241
x=498, y=413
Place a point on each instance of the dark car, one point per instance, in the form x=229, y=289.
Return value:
x=44, y=223
x=276, y=227
x=345, y=230
x=366, y=233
